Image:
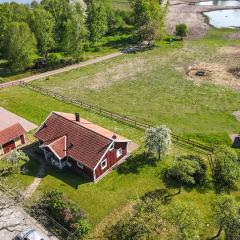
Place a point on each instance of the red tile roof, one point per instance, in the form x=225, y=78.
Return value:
x=86, y=142
x=58, y=147
x=10, y=133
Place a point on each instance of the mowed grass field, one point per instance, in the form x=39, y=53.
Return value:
x=149, y=86
x=121, y=187
x=119, y=4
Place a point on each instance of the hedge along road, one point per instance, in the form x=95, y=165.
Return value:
x=62, y=70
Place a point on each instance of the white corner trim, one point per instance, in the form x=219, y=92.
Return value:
x=104, y=155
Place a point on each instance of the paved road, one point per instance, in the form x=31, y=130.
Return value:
x=13, y=219
x=61, y=70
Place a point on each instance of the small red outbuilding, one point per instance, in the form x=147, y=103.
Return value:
x=70, y=141
x=11, y=138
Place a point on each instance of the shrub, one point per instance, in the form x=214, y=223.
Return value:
x=181, y=30
x=227, y=169
x=54, y=59
x=64, y=211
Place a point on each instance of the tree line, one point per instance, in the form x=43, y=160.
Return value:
x=28, y=32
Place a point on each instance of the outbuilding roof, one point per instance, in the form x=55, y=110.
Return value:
x=10, y=133
x=84, y=141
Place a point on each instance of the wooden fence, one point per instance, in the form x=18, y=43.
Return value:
x=177, y=139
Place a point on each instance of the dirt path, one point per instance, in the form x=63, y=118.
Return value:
x=33, y=187
x=184, y=11
x=61, y=70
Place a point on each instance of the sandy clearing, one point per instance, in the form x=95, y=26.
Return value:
x=184, y=11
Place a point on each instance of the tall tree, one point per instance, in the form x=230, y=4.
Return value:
x=227, y=169
x=60, y=11
x=75, y=32
x=158, y=140
x=226, y=213
x=42, y=24
x=149, y=19
x=96, y=20
x=6, y=16
x=186, y=220
x=20, y=46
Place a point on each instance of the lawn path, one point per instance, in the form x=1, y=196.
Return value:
x=61, y=70
x=32, y=188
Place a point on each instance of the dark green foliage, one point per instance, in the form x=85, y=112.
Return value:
x=227, y=167
x=181, y=30
x=65, y=212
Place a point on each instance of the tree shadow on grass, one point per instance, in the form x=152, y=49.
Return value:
x=135, y=163
x=162, y=194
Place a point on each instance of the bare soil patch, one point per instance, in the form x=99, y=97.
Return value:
x=185, y=11
x=215, y=73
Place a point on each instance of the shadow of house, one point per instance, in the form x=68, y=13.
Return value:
x=70, y=177
x=135, y=163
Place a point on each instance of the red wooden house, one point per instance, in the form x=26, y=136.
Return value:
x=11, y=137
x=68, y=141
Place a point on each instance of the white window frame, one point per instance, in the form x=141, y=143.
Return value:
x=119, y=152
x=104, y=164
x=80, y=165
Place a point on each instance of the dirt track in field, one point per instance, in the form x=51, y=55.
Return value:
x=184, y=11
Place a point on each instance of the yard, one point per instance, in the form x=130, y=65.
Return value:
x=150, y=86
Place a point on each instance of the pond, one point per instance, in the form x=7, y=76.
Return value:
x=227, y=3
x=224, y=18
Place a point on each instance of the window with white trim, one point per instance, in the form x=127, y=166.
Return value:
x=104, y=164
x=119, y=152
x=80, y=165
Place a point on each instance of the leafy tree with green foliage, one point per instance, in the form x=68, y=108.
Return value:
x=227, y=167
x=6, y=16
x=188, y=170
x=181, y=30
x=158, y=140
x=186, y=220
x=226, y=213
x=96, y=20
x=60, y=12
x=75, y=32
x=149, y=19
x=42, y=24
x=20, y=46
x=146, y=222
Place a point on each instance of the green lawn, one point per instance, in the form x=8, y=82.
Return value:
x=132, y=179
x=150, y=86
x=119, y=4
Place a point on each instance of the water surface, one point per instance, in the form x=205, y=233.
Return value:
x=224, y=18
x=227, y=3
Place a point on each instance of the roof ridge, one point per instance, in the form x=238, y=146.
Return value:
x=82, y=125
x=18, y=123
